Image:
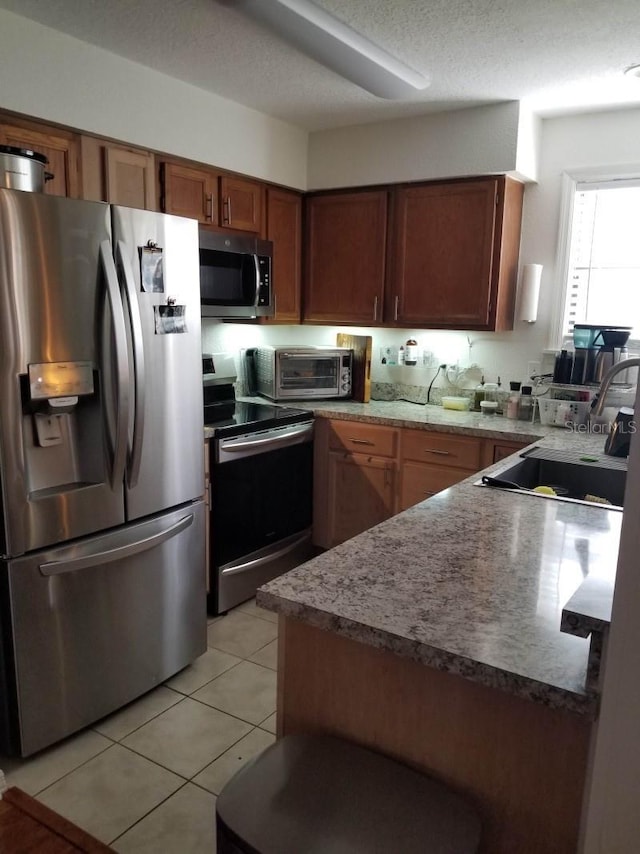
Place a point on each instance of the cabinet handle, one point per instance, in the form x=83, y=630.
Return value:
x=361, y=441
x=395, y=310
x=435, y=451
x=386, y=476
x=209, y=207
x=375, y=308
x=227, y=205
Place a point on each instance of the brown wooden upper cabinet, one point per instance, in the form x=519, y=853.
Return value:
x=455, y=254
x=284, y=218
x=452, y=263
x=345, y=242
x=118, y=174
x=213, y=199
x=60, y=147
x=240, y=204
x=189, y=192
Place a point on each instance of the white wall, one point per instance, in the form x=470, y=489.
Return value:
x=589, y=141
x=477, y=141
x=584, y=141
x=55, y=77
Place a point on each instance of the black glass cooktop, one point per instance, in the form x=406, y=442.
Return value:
x=236, y=417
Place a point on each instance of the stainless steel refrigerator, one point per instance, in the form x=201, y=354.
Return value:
x=102, y=573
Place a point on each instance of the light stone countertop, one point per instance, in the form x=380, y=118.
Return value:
x=472, y=581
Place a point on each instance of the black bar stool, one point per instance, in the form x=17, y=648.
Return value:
x=322, y=795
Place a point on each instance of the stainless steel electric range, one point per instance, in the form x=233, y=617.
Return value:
x=261, y=476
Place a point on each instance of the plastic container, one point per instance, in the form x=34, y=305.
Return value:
x=558, y=413
x=460, y=403
x=411, y=352
x=491, y=392
x=488, y=407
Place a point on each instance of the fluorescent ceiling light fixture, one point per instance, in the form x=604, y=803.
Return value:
x=337, y=46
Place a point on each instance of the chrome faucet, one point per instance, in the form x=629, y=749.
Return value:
x=598, y=404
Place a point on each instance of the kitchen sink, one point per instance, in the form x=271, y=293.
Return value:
x=574, y=477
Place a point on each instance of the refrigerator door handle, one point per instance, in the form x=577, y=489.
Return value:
x=138, y=364
x=97, y=558
x=122, y=366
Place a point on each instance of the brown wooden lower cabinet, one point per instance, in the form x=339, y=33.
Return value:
x=364, y=473
x=522, y=763
x=420, y=482
x=363, y=490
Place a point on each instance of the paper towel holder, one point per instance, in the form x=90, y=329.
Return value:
x=529, y=292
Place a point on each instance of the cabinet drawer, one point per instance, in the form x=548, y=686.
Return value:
x=439, y=449
x=363, y=438
x=422, y=481
x=502, y=450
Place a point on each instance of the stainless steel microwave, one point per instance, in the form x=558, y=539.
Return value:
x=235, y=276
x=300, y=373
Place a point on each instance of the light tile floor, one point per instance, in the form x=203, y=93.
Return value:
x=145, y=779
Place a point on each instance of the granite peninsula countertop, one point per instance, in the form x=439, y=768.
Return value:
x=472, y=581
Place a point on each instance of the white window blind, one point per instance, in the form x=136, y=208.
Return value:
x=603, y=283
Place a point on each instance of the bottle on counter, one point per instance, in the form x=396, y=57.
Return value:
x=401, y=355
x=411, y=352
x=513, y=401
x=525, y=407
x=562, y=368
x=478, y=395
x=501, y=397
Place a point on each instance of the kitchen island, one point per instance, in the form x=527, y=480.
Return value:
x=435, y=638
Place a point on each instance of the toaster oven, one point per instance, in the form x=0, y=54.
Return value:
x=302, y=373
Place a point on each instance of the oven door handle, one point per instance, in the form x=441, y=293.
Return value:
x=269, y=442
x=259, y=561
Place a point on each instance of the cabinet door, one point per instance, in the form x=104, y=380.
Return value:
x=345, y=247
x=284, y=225
x=130, y=178
x=443, y=254
x=189, y=192
x=241, y=204
x=58, y=146
x=362, y=490
x=117, y=174
x=420, y=481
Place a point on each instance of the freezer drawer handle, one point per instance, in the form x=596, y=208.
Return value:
x=259, y=561
x=60, y=567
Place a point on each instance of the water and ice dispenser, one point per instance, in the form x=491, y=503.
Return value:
x=62, y=427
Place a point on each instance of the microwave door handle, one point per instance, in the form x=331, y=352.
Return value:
x=256, y=264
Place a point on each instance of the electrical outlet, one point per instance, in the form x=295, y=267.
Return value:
x=533, y=369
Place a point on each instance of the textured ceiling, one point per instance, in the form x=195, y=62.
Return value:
x=560, y=54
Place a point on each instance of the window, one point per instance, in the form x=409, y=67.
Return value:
x=603, y=255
